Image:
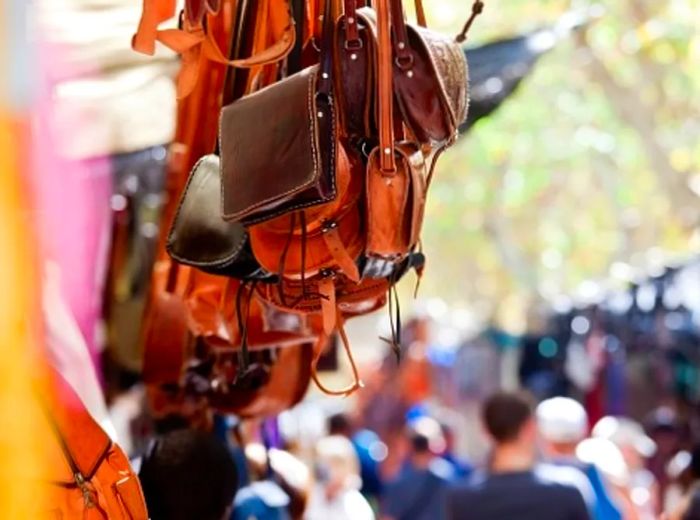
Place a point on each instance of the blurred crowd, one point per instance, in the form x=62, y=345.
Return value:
x=542, y=462
x=430, y=439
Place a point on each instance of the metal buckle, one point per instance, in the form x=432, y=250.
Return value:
x=405, y=62
x=353, y=45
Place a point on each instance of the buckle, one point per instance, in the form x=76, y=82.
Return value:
x=353, y=45
x=405, y=62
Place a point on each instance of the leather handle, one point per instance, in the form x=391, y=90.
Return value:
x=154, y=12
x=195, y=40
x=420, y=14
x=387, y=160
x=325, y=82
x=319, y=348
x=352, y=33
x=182, y=41
x=404, y=56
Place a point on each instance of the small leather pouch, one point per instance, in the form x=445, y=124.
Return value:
x=278, y=150
x=199, y=237
x=432, y=86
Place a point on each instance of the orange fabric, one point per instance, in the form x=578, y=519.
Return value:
x=23, y=440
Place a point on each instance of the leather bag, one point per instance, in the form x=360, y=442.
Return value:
x=96, y=480
x=278, y=145
x=200, y=238
x=396, y=173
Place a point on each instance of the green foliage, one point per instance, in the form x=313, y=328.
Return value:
x=595, y=160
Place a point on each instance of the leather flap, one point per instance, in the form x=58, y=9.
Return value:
x=450, y=68
x=271, y=158
x=199, y=236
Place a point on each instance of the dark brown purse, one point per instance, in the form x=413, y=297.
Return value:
x=278, y=144
x=200, y=238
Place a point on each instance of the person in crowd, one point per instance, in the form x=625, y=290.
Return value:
x=689, y=507
x=562, y=424
x=512, y=486
x=670, y=434
x=608, y=460
x=417, y=493
x=461, y=467
x=637, y=448
x=680, y=479
x=336, y=493
x=370, y=452
x=262, y=498
x=188, y=474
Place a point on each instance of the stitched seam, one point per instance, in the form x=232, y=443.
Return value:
x=182, y=199
x=313, y=126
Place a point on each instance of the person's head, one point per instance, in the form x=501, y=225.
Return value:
x=337, y=466
x=508, y=420
x=425, y=440
x=188, y=474
x=629, y=436
x=562, y=424
x=340, y=424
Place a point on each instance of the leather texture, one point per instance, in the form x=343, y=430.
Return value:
x=433, y=97
x=277, y=150
x=195, y=40
x=327, y=237
x=199, y=237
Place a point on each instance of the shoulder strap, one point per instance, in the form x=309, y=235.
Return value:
x=385, y=89
x=194, y=40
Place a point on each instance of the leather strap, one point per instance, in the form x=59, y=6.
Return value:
x=340, y=254
x=326, y=288
x=193, y=41
x=154, y=13
x=318, y=352
x=404, y=56
x=387, y=160
x=420, y=13
x=352, y=33
x=325, y=82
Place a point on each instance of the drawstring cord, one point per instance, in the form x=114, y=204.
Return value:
x=394, y=320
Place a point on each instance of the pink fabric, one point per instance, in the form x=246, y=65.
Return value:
x=72, y=200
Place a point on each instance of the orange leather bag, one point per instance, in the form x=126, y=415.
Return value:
x=196, y=43
x=93, y=479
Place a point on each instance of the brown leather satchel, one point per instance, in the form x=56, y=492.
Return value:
x=396, y=174
x=430, y=80
x=278, y=145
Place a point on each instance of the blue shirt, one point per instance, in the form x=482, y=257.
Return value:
x=418, y=494
x=515, y=496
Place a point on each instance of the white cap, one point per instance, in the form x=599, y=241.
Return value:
x=625, y=432
x=604, y=455
x=561, y=419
